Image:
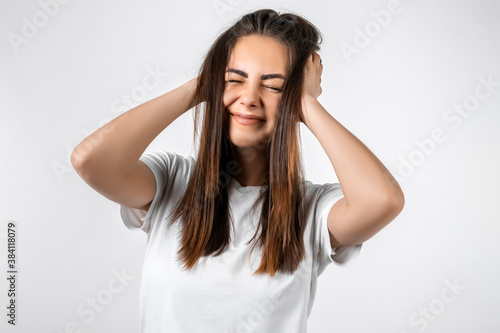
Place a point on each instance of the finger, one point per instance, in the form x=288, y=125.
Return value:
x=318, y=57
x=318, y=64
x=311, y=59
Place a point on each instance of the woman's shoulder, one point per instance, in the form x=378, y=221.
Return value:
x=316, y=188
x=169, y=166
x=316, y=193
x=168, y=158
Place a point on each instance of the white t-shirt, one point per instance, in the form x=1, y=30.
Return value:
x=220, y=294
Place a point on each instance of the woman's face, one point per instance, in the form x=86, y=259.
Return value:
x=255, y=77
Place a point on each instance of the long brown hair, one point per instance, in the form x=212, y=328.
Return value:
x=204, y=205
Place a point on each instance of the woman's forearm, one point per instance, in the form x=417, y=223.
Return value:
x=114, y=149
x=362, y=177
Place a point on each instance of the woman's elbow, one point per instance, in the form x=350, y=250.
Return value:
x=395, y=203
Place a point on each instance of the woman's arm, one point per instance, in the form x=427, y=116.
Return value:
x=108, y=159
x=372, y=197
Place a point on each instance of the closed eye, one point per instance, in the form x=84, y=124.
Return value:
x=274, y=88
x=269, y=87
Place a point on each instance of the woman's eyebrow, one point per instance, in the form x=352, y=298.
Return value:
x=263, y=77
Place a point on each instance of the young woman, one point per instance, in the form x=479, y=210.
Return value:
x=237, y=237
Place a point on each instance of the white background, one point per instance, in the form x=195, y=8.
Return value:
x=72, y=73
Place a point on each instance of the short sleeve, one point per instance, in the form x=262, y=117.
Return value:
x=170, y=170
x=327, y=195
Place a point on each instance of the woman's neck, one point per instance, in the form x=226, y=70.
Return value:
x=253, y=166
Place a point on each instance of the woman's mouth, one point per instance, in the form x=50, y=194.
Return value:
x=246, y=121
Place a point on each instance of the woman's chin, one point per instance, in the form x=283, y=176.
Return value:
x=247, y=142
x=241, y=143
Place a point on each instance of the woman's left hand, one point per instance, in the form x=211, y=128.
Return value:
x=312, y=76
x=312, y=81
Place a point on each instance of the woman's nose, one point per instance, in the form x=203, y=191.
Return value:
x=250, y=96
